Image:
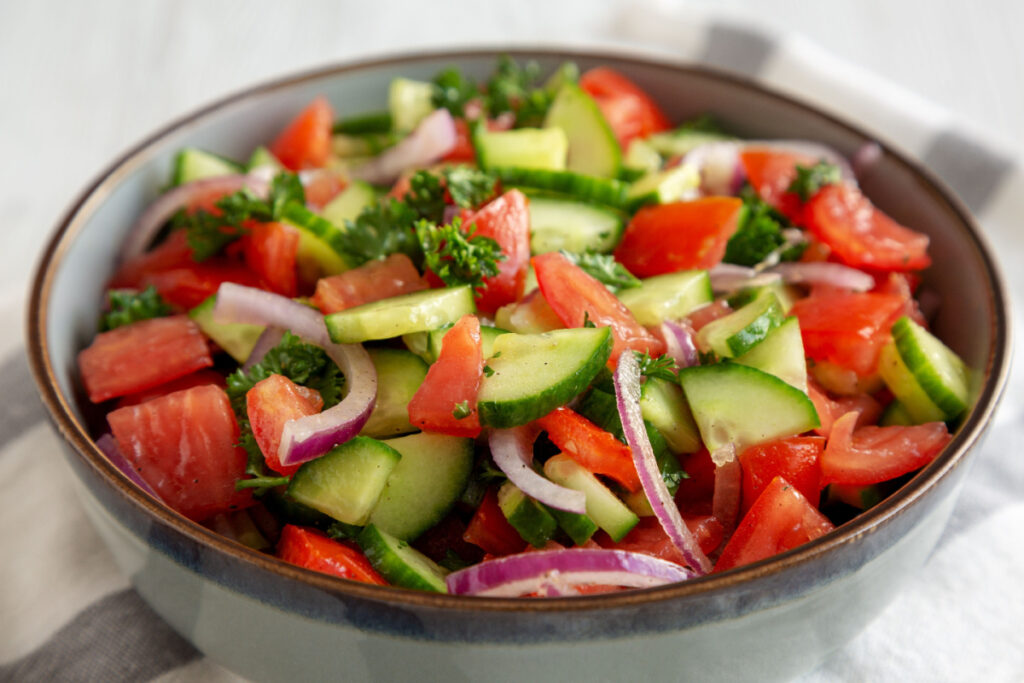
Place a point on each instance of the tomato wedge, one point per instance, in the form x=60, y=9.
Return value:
x=576, y=297
x=629, y=110
x=446, y=400
x=269, y=405
x=311, y=549
x=490, y=530
x=795, y=458
x=592, y=447
x=506, y=220
x=666, y=238
x=372, y=281
x=270, y=250
x=306, y=140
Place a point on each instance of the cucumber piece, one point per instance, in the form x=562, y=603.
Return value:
x=430, y=477
x=895, y=414
x=409, y=102
x=434, y=339
x=593, y=149
x=663, y=405
x=399, y=375
x=603, y=507
x=361, y=124
x=930, y=380
x=528, y=316
x=416, y=312
x=663, y=187
x=675, y=143
x=349, y=203
x=585, y=188
x=399, y=563
x=578, y=527
x=743, y=406
x=529, y=518
x=668, y=297
x=238, y=339
x=532, y=374
x=346, y=482
x=738, y=332
x=786, y=294
x=535, y=148
x=195, y=164
x=320, y=250
x=558, y=223
x=781, y=353
x=263, y=158
x=641, y=158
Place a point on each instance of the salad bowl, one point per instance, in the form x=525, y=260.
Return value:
x=269, y=620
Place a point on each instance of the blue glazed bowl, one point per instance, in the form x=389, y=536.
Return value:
x=269, y=620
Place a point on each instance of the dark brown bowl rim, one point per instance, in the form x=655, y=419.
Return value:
x=995, y=376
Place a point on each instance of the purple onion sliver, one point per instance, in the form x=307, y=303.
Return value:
x=108, y=445
x=241, y=304
x=627, y=400
x=268, y=339
x=679, y=342
x=512, y=450
x=866, y=156
x=525, y=573
x=434, y=137
x=826, y=273
x=718, y=164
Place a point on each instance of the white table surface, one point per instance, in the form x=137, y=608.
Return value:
x=82, y=81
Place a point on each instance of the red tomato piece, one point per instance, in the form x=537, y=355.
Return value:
x=861, y=235
x=196, y=379
x=306, y=141
x=184, y=446
x=709, y=313
x=869, y=455
x=829, y=408
x=779, y=520
x=269, y=405
x=270, y=250
x=173, y=252
x=190, y=284
x=696, y=492
x=666, y=238
x=446, y=400
x=592, y=447
x=311, y=549
x=372, y=281
x=321, y=186
x=649, y=537
x=490, y=530
x=506, y=220
x=141, y=356
x=796, y=459
x=629, y=110
x=576, y=297
x=771, y=172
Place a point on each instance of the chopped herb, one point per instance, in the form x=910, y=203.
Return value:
x=452, y=90
x=128, y=307
x=662, y=367
x=758, y=233
x=810, y=179
x=488, y=370
x=462, y=410
x=705, y=123
x=587, y=322
x=469, y=187
x=458, y=258
x=426, y=196
x=497, y=354
x=603, y=268
x=261, y=482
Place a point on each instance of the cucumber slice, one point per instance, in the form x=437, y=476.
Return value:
x=662, y=187
x=409, y=102
x=585, y=188
x=642, y=158
x=416, y=312
x=346, y=482
x=677, y=143
x=263, y=158
x=930, y=381
x=430, y=477
x=349, y=203
x=532, y=374
x=895, y=414
x=399, y=375
x=399, y=563
x=237, y=339
x=558, y=223
x=361, y=124
x=781, y=353
x=668, y=297
x=738, y=332
x=663, y=405
x=529, y=518
x=523, y=147
x=320, y=250
x=603, y=507
x=195, y=164
x=743, y=406
x=593, y=149
x=578, y=527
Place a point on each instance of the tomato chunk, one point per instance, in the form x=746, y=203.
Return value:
x=771, y=172
x=184, y=446
x=269, y=405
x=196, y=379
x=490, y=530
x=577, y=297
x=306, y=141
x=270, y=250
x=311, y=549
x=666, y=238
x=173, y=252
x=446, y=400
x=372, y=281
x=779, y=520
x=649, y=537
x=592, y=447
x=872, y=454
x=629, y=110
x=190, y=284
x=797, y=459
x=141, y=356
x=506, y=220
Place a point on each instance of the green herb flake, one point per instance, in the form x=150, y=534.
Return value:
x=603, y=268
x=127, y=307
x=457, y=257
x=810, y=179
x=462, y=410
x=662, y=367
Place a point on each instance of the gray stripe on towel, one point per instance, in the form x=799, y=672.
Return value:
x=737, y=49
x=117, y=638
x=974, y=172
x=20, y=397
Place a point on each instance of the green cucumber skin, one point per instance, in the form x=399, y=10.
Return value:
x=780, y=353
x=195, y=164
x=361, y=124
x=560, y=223
x=722, y=337
x=399, y=563
x=592, y=146
x=399, y=375
x=417, y=312
x=530, y=519
x=488, y=334
x=576, y=526
x=237, y=339
x=603, y=191
x=668, y=297
x=603, y=507
x=939, y=372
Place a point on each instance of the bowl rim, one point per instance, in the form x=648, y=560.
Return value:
x=58, y=406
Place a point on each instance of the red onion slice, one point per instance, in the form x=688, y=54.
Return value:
x=728, y=277
x=824, y=272
x=679, y=343
x=309, y=437
x=512, y=452
x=627, y=400
x=108, y=445
x=160, y=211
x=429, y=141
x=549, y=571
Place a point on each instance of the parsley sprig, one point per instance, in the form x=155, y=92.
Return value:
x=810, y=179
x=457, y=257
x=127, y=307
x=662, y=367
x=605, y=269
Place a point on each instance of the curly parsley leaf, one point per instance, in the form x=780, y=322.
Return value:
x=810, y=179
x=452, y=90
x=457, y=257
x=469, y=187
x=662, y=367
x=603, y=268
x=758, y=233
x=127, y=307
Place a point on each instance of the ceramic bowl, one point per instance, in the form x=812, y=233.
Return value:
x=272, y=621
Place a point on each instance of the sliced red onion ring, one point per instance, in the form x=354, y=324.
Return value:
x=725, y=501
x=108, y=445
x=550, y=570
x=270, y=338
x=429, y=141
x=512, y=452
x=160, y=211
x=309, y=437
x=679, y=343
x=826, y=273
x=866, y=156
x=627, y=400
x=728, y=277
